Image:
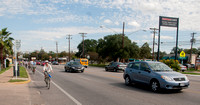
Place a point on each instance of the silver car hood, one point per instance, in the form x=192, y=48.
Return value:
x=171, y=74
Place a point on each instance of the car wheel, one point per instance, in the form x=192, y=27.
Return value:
x=82, y=71
x=115, y=70
x=106, y=69
x=65, y=70
x=155, y=86
x=127, y=81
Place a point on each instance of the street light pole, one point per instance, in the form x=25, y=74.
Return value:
x=123, y=35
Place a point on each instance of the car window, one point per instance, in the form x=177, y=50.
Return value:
x=129, y=65
x=143, y=66
x=135, y=66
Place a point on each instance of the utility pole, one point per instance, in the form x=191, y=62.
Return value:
x=56, y=51
x=154, y=32
x=123, y=35
x=69, y=45
x=83, y=35
x=192, y=41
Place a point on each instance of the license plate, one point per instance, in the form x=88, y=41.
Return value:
x=182, y=84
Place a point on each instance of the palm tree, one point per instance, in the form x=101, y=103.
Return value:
x=5, y=44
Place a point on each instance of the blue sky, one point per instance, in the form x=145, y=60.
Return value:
x=40, y=23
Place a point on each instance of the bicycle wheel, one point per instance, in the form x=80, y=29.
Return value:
x=48, y=83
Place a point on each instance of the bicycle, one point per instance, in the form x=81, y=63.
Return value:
x=47, y=79
x=33, y=70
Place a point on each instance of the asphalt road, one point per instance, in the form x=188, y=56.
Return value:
x=97, y=87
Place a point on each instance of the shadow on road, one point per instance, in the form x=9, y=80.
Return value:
x=143, y=88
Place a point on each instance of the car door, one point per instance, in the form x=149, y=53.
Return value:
x=144, y=73
x=134, y=71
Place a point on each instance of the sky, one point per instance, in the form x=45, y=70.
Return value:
x=42, y=23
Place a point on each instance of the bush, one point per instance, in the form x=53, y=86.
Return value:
x=172, y=64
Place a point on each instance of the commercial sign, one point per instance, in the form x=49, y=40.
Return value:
x=168, y=21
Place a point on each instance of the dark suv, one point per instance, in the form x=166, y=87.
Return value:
x=115, y=66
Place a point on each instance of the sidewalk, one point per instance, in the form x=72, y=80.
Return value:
x=11, y=93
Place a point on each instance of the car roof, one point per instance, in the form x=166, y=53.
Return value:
x=147, y=62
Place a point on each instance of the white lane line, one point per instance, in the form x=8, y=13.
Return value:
x=67, y=94
x=85, y=78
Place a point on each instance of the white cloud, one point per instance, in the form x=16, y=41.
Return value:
x=107, y=21
x=134, y=23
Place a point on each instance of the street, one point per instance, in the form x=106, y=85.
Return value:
x=97, y=87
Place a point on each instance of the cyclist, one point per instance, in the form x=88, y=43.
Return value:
x=47, y=69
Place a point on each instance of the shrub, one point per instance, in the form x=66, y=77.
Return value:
x=172, y=64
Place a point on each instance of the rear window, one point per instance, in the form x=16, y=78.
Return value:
x=119, y=63
x=83, y=60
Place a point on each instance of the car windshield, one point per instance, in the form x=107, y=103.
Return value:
x=159, y=67
x=75, y=63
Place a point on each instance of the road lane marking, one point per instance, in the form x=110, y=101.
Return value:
x=67, y=94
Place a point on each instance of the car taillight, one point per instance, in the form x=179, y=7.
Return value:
x=117, y=65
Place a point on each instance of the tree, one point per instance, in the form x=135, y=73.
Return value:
x=194, y=51
x=5, y=45
x=89, y=46
x=145, y=51
x=162, y=54
x=63, y=54
x=111, y=47
x=173, y=51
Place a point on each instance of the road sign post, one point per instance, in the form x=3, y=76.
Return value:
x=17, y=47
x=182, y=55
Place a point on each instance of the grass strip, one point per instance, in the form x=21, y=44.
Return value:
x=190, y=73
x=22, y=72
x=16, y=80
x=97, y=65
x=4, y=69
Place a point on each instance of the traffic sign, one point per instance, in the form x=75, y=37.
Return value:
x=182, y=54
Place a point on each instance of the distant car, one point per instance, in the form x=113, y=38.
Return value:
x=187, y=65
x=73, y=66
x=115, y=66
x=55, y=63
x=38, y=63
x=42, y=63
x=192, y=65
x=155, y=74
x=183, y=68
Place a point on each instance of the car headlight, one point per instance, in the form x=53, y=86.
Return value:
x=166, y=78
x=186, y=78
x=82, y=67
x=73, y=67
